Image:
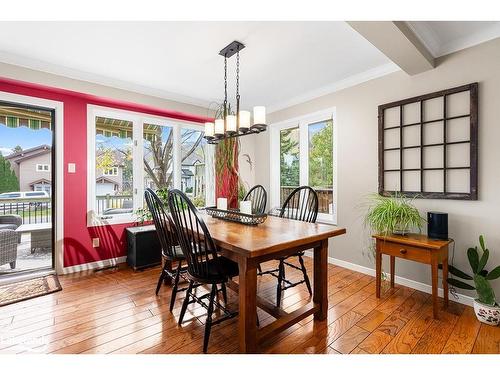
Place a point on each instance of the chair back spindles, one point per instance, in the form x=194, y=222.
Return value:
x=194, y=238
x=258, y=196
x=163, y=223
x=301, y=204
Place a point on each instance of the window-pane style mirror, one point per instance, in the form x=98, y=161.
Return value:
x=428, y=145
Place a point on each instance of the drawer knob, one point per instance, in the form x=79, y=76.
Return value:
x=402, y=251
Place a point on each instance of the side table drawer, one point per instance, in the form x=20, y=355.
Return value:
x=417, y=254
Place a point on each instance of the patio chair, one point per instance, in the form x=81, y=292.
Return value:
x=10, y=222
x=8, y=247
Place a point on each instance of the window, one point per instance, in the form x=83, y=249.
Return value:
x=289, y=162
x=303, y=153
x=112, y=171
x=43, y=167
x=158, y=153
x=131, y=152
x=193, y=147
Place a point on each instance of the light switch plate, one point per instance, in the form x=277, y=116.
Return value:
x=95, y=242
x=71, y=167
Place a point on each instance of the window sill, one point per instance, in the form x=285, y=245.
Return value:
x=102, y=220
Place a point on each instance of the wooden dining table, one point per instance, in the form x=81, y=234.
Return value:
x=275, y=238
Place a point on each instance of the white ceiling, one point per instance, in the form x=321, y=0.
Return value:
x=444, y=37
x=283, y=62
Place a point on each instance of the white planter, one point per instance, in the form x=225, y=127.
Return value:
x=487, y=314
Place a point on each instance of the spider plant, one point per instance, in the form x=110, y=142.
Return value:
x=388, y=215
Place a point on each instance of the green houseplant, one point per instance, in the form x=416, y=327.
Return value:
x=486, y=308
x=392, y=215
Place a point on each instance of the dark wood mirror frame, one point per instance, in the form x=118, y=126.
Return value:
x=472, y=194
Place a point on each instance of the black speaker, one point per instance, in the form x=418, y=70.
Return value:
x=437, y=225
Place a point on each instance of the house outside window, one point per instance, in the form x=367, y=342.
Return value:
x=129, y=152
x=303, y=152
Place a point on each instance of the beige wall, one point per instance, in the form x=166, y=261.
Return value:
x=356, y=109
x=35, y=76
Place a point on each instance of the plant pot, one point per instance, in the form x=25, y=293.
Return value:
x=487, y=314
x=402, y=230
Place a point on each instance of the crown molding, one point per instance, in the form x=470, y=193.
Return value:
x=350, y=81
x=437, y=48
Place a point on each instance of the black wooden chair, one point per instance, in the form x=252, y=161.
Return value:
x=302, y=205
x=258, y=196
x=168, y=240
x=204, y=265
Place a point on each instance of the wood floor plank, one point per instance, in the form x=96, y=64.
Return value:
x=349, y=340
x=375, y=342
x=117, y=311
x=464, y=335
x=488, y=340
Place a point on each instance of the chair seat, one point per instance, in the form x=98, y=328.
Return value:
x=178, y=254
x=228, y=268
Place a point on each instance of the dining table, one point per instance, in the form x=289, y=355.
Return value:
x=250, y=245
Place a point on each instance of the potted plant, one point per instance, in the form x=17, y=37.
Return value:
x=143, y=215
x=393, y=215
x=485, y=305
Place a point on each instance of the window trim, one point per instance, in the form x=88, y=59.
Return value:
x=302, y=122
x=138, y=119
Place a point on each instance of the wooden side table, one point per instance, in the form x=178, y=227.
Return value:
x=418, y=248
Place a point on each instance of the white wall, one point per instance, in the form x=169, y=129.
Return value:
x=356, y=109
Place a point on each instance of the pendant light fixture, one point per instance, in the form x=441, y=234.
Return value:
x=231, y=125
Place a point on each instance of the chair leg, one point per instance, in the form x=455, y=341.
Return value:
x=12, y=265
x=208, y=323
x=259, y=268
x=281, y=276
x=224, y=293
x=175, y=286
x=304, y=272
x=186, y=301
x=160, y=280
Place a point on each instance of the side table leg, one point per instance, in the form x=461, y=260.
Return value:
x=434, y=269
x=445, y=280
x=378, y=270
x=393, y=270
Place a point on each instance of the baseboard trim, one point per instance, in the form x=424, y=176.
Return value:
x=95, y=265
x=463, y=299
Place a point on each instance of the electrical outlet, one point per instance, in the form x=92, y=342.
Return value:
x=71, y=167
x=95, y=242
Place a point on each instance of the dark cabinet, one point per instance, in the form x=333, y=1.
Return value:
x=143, y=247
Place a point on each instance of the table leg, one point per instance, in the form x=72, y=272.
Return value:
x=378, y=270
x=434, y=271
x=393, y=270
x=320, y=294
x=247, y=318
x=445, y=278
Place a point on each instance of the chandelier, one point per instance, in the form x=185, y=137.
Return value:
x=234, y=125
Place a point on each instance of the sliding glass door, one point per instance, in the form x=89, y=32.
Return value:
x=27, y=171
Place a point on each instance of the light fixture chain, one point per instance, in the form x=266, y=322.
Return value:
x=225, y=80
x=238, y=74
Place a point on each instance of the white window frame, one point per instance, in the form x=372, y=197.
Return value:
x=41, y=167
x=138, y=120
x=302, y=123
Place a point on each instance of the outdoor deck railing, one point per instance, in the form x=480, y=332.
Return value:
x=31, y=210
x=325, y=197
x=106, y=202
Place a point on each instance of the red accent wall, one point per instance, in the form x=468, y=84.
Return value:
x=77, y=237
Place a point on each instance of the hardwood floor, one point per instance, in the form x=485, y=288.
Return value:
x=116, y=311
